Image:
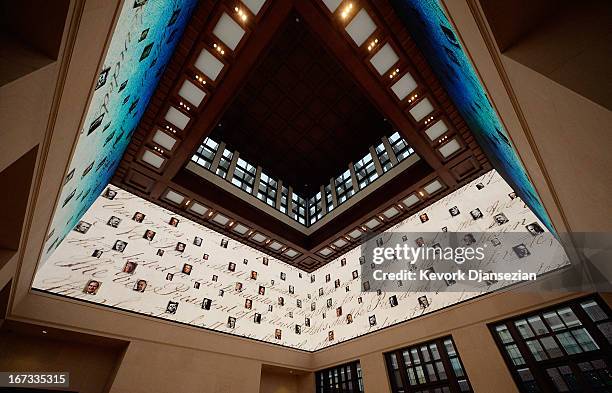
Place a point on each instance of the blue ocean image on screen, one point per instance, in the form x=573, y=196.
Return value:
x=436, y=38
x=143, y=40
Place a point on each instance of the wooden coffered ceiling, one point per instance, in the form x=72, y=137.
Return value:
x=224, y=62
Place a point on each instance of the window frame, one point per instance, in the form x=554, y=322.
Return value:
x=452, y=381
x=538, y=368
x=341, y=370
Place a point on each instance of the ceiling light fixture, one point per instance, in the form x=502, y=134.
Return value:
x=395, y=72
x=346, y=11
x=241, y=14
x=219, y=49
x=412, y=98
x=372, y=44
x=210, y=213
x=200, y=79
x=429, y=119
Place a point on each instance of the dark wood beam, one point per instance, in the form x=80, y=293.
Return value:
x=233, y=80
x=352, y=63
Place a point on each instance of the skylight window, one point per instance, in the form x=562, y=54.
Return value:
x=365, y=170
x=329, y=198
x=298, y=208
x=224, y=163
x=205, y=154
x=284, y=199
x=244, y=175
x=344, y=186
x=267, y=189
x=400, y=147
x=383, y=157
x=315, y=208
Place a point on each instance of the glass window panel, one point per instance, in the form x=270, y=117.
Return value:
x=537, y=350
x=585, y=340
x=606, y=329
x=425, y=354
x=434, y=351
x=569, y=317
x=557, y=380
x=528, y=381
x=593, y=310
x=551, y=347
x=464, y=386
x=450, y=348
x=456, y=367
x=504, y=334
x=441, y=370
x=537, y=325
x=515, y=355
x=554, y=321
x=524, y=328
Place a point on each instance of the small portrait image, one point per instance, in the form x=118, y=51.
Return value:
x=437, y=245
x=423, y=302
x=393, y=301
x=372, y=320
x=312, y=278
x=187, y=269
x=329, y=303
x=366, y=286
x=323, y=315
x=231, y=267
x=468, y=239
x=449, y=282
x=82, y=227
x=196, y=285
x=495, y=241
x=320, y=291
x=355, y=274
x=339, y=311
x=424, y=218
x=231, y=322
x=299, y=303
x=454, y=211
x=281, y=301
x=476, y=214
x=347, y=289
x=169, y=276
x=283, y=276
x=253, y=275
x=380, y=242
x=180, y=247
x=92, y=286
x=307, y=322
x=129, y=267
x=313, y=306
x=119, y=245
x=490, y=281
x=271, y=282
x=512, y=195
x=270, y=307
x=291, y=289
x=500, y=219
x=149, y=235
x=205, y=257
x=248, y=304
x=479, y=186
x=109, y=194
x=245, y=261
x=206, y=303
x=138, y=217
x=337, y=283
x=359, y=300
x=221, y=292
x=265, y=261
x=224, y=243
x=215, y=277
x=97, y=253
x=257, y=318
x=444, y=229
x=160, y=252
x=238, y=286
x=379, y=291
x=330, y=335
x=140, y=286
x=197, y=241
x=298, y=329
x=173, y=221
x=521, y=250
x=171, y=307
x=361, y=260
x=343, y=262
x=278, y=334
x=262, y=290
x=420, y=242
x=535, y=229
x=349, y=318
x=328, y=278
x=113, y=221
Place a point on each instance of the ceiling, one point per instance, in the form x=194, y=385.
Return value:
x=301, y=99
x=300, y=115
